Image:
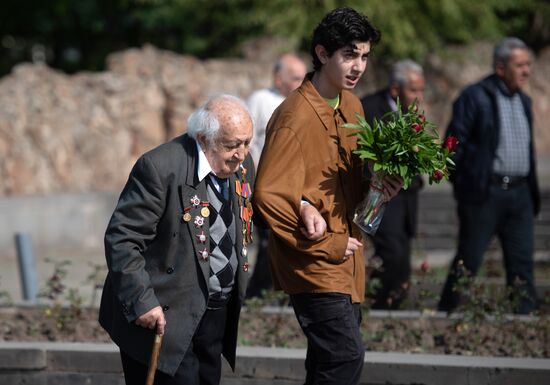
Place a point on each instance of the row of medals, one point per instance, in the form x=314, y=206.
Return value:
x=199, y=220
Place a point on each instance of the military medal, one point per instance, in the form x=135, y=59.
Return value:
x=205, y=211
x=245, y=267
x=186, y=216
x=195, y=201
x=245, y=251
x=242, y=188
x=238, y=187
x=201, y=237
x=199, y=221
x=204, y=254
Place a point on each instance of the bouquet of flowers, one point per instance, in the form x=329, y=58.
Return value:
x=400, y=143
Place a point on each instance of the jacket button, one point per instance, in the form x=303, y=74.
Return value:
x=165, y=308
x=170, y=270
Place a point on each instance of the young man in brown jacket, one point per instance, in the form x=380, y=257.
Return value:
x=308, y=185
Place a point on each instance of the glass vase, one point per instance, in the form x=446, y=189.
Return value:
x=370, y=211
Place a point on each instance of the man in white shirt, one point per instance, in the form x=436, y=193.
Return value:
x=288, y=74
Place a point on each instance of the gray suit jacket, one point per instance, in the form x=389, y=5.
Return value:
x=153, y=256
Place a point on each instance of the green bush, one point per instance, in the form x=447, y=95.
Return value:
x=75, y=35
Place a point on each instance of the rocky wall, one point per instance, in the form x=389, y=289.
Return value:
x=83, y=132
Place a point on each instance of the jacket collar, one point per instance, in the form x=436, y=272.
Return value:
x=325, y=113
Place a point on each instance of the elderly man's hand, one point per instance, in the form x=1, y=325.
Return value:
x=314, y=224
x=392, y=185
x=154, y=318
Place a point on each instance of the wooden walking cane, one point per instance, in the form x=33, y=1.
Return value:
x=154, y=360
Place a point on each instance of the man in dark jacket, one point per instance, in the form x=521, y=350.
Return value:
x=392, y=241
x=495, y=181
x=176, y=249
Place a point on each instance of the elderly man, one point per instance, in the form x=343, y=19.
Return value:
x=288, y=74
x=392, y=241
x=176, y=249
x=495, y=181
x=309, y=184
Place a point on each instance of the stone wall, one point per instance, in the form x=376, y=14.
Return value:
x=83, y=132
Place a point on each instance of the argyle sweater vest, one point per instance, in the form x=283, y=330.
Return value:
x=223, y=257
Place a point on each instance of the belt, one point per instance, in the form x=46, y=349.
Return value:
x=505, y=182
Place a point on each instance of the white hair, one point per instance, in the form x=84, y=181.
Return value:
x=401, y=69
x=204, y=122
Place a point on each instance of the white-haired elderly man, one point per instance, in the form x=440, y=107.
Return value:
x=176, y=249
x=495, y=180
x=392, y=241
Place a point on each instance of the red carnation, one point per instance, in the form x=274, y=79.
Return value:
x=417, y=127
x=450, y=143
x=425, y=266
x=438, y=175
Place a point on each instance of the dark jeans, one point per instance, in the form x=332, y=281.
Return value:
x=261, y=276
x=201, y=364
x=508, y=213
x=335, y=351
x=392, y=244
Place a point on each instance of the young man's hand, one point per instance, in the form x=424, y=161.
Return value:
x=353, y=245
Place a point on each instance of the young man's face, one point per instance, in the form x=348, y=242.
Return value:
x=345, y=67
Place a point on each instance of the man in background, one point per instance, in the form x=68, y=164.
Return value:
x=495, y=182
x=288, y=74
x=392, y=241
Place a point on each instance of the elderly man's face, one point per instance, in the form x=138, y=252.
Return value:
x=516, y=71
x=230, y=146
x=411, y=91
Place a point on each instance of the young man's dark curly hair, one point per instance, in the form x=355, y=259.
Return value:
x=340, y=28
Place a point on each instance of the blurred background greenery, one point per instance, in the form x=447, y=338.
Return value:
x=77, y=35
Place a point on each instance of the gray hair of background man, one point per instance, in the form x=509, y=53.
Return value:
x=504, y=49
x=203, y=121
x=401, y=68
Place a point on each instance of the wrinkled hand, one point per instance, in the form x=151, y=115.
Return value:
x=314, y=224
x=154, y=318
x=392, y=185
x=352, y=247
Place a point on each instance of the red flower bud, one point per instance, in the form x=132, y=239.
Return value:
x=417, y=127
x=450, y=143
x=422, y=117
x=425, y=266
x=438, y=175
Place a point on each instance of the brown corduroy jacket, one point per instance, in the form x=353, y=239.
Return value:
x=308, y=156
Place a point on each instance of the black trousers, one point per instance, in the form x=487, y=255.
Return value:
x=202, y=362
x=335, y=351
x=392, y=244
x=508, y=213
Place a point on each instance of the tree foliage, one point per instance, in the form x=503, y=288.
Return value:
x=74, y=35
